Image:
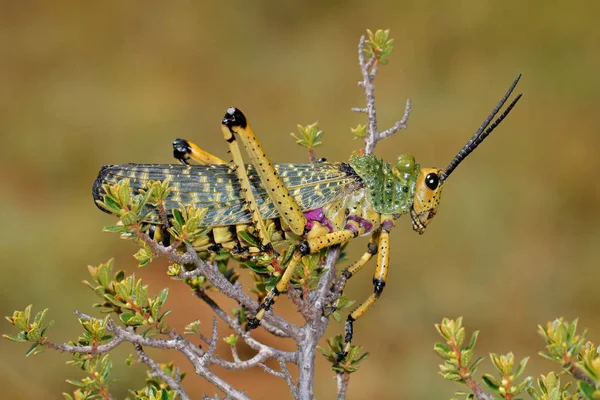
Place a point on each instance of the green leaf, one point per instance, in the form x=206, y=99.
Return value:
x=256, y=268
x=443, y=350
x=33, y=350
x=14, y=338
x=587, y=390
x=112, y=299
x=119, y=276
x=474, y=365
x=193, y=328
x=249, y=238
x=103, y=274
x=473, y=340
x=114, y=228
x=162, y=296
x=521, y=367
x=111, y=205
x=231, y=339
x=141, y=293
x=491, y=382
x=126, y=317
x=178, y=217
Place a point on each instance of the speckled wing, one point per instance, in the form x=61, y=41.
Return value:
x=216, y=187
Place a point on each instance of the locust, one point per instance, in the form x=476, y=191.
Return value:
x=251, y=208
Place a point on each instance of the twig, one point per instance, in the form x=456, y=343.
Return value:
x=315, y=328
x=288, y=378
x=580, y=375
x=369, y=72
x=342, y=379
x=192, y=353
x=245, y=336
x=301, y=304
x=217, y=279
x=157, y=371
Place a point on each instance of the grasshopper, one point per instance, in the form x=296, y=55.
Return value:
x=252, y=208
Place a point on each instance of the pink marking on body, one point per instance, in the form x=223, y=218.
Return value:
x=317, y=215
x=362, y=222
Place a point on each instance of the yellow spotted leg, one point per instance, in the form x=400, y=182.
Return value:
x=235, y=126
x=353, y=269
x=379, y=279
x=306, y=247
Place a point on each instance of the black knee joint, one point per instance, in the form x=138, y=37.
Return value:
x=347, y=274
x=234, y=117
x=378, y=286
x=304, y=248
x=268, y=248
x=372, y=248
x=253, y=323
x=181, y=150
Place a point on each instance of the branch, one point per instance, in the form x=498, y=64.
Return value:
x=217, y=279
x=245, y=336
x=580, y=375
x=342, y=379
x=157, y=371
x=369, y=72
x=315, y=328
x=197, y=357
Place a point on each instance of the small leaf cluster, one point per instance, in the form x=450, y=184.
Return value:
x=577, y=356
x=30, y=329
x=563, y=344
x=549, y=388
x=379, y=45
x=128, y=297
x=186, y=225
x=119, y=201
x=95, y=332
x=308, y=136
x=199, y=282
x=335, y=347
x=342, y=303
x=155, y=388
x=95, y=385
x=307, y=274
x=458, y=364
x=359, y=132
x=505, y=386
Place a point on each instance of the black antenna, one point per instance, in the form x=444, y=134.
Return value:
x=482, y=132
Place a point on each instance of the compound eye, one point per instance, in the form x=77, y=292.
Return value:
x=432, y=181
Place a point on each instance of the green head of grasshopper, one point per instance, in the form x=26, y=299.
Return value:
x=407, y=188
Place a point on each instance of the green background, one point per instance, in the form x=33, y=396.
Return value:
x=517, y=237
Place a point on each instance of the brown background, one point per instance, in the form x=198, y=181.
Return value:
x=515, y=243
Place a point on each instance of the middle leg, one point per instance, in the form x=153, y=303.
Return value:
x=379, y=280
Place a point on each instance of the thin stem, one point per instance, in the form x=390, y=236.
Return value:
x=158, y=372
x=342, y=379
x=368, y=69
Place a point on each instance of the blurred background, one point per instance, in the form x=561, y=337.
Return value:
x=517, y=238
